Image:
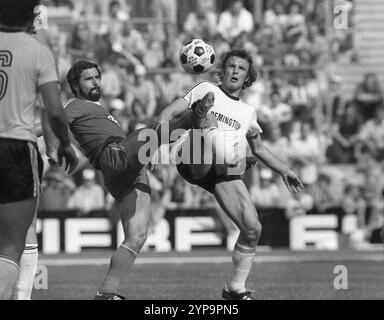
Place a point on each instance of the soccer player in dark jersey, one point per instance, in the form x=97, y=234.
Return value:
x=237, y=121
x=26, y=68
x=117, y=156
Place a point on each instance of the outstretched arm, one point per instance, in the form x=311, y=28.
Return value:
x=174, y=109
x=260, y=151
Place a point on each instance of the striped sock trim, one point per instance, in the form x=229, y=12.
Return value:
x=9, y=261
x=129, y=249
x=31, y=247
x=245, y=249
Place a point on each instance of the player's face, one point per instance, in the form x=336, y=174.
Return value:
x=235, y=73
x=89, y=85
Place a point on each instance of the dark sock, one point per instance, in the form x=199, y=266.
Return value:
x=121, y=261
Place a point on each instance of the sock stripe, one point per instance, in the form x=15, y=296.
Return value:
x=245, y=250
x=31, y=247
x=128, y=249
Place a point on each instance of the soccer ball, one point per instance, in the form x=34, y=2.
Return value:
x=197, y=56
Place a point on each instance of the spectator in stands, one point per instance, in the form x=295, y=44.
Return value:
x=141, y=96
x=89, y=196
x=354, y=204
x=235, y=20
x=82, y=44
x=57, y=189
x=221, y=45
x=166, y=31
x=295, y=20
x=168, y=87
x=299, y=97
x=276, y=17
x=202, y=22
x=345, y=136
x=278, y=143
x=299, y=204
x=154, y=55
x=276, y=112
x=110, y=82
x=271, y=49
x=131, y=40
x=307, y=151
x=375, y=225
x=372, y=134
x=266, y=194
x=116, y=12
x=116, y=109
x=323, y=194
x=317, y=45
x=369, y=95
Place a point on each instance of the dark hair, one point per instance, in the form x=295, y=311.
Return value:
x=74, y=73
x=114, y=4
x=242, y=54
x=17, y=13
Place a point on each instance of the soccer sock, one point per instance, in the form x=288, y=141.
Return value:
x=121, y=261
x=27, y=273
x=184, y=121
x=242, y=260
x=9, y=269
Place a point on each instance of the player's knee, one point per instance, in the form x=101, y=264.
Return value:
x=252, y=233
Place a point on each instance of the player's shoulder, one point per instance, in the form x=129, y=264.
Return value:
x=37, y=44
x=203, y=85
x=74, y=103
x=248, y=106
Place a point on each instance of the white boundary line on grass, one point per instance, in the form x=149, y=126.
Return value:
x=212, y=260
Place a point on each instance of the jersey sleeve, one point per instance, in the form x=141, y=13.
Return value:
x=254, y=128
x=74, y=110
x=46, y=66
x=197, y=92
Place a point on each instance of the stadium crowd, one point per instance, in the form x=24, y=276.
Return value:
x=336, y=144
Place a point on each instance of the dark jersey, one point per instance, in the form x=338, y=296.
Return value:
x=93, y=127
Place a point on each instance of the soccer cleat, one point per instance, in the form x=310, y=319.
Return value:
x=201, y=108
x=228, y=295
x=108, y=296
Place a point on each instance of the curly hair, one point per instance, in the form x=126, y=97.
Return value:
x=242, y=54
x=19, y=13
x=73, y=75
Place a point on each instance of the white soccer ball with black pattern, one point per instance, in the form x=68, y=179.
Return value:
x=197, y=56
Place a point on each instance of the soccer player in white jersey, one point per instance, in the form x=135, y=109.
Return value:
x=26, y=68
x=229, y=116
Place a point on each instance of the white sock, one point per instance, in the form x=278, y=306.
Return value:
x=28, y=267
x=242, y=260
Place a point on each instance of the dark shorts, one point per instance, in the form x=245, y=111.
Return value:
x=21, y=169
x=214, y=176
x=121, y=170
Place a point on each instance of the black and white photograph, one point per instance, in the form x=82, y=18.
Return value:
x=189, y=154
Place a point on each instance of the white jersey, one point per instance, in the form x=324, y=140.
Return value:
x=25, y=64
x=231, y=113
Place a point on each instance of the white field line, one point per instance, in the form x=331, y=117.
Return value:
x=212, y=260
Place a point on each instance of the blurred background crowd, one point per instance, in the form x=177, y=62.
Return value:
x=334, y=141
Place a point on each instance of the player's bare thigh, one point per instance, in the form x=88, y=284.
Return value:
x=135, y=211
x=236, y=202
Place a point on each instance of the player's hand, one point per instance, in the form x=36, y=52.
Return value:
x=293, y=183
x=67, y=156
